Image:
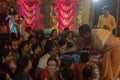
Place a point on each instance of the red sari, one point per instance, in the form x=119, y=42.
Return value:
x=78, y=68
x=44, y=74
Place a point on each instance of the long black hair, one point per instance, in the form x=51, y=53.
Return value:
x=22, y=63
x=3, y=75
x=84, y=28
x=87, y=73
x=4, y=53
x=12, y=12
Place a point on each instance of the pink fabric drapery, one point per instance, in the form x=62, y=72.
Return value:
x=67, y=14
x=31, y=11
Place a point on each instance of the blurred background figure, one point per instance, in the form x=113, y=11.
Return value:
x=106, y=21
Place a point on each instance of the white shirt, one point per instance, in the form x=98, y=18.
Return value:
x=43, y=61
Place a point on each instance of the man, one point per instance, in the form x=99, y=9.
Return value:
x=106, y=21
x=65, y=33
x=27, y=33
x=106, y=43
x=14, y=47
x=50, y=50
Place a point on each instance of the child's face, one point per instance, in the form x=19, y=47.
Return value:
x=54, y=34
x=14, y=45
x=26, y=49
x=9, y=58
x=21, y=38
x=33, y=40
x=70, y=35
x=39, y=35
x=38, y=49
x=63, y=48
x=44, y=42
x=54, y=50
x=6, y=46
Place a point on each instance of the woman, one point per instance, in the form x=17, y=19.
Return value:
x=37, y=54
x=11, y=18
x=21, y=25
x=24, y=65
x=53, y=34
x=108, y=45
x=6, y=62
x=5, y=76
x=24, y=49
x=51, y=70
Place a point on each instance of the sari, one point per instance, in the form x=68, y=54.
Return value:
x=105, y=42
x=44, y=74
x=78, y=69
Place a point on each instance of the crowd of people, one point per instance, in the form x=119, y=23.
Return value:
x=61, y=56
x=35, y=56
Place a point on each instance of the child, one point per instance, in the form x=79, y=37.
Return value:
x=81, y=65
x=67, y=74
x=88, y=74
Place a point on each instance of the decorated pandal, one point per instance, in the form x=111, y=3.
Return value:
x=31, y=11
x=63, y=13
x=68, y=14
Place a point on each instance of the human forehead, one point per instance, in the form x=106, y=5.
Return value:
x=26, y=45
x=14, y=42
x=52, y=62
